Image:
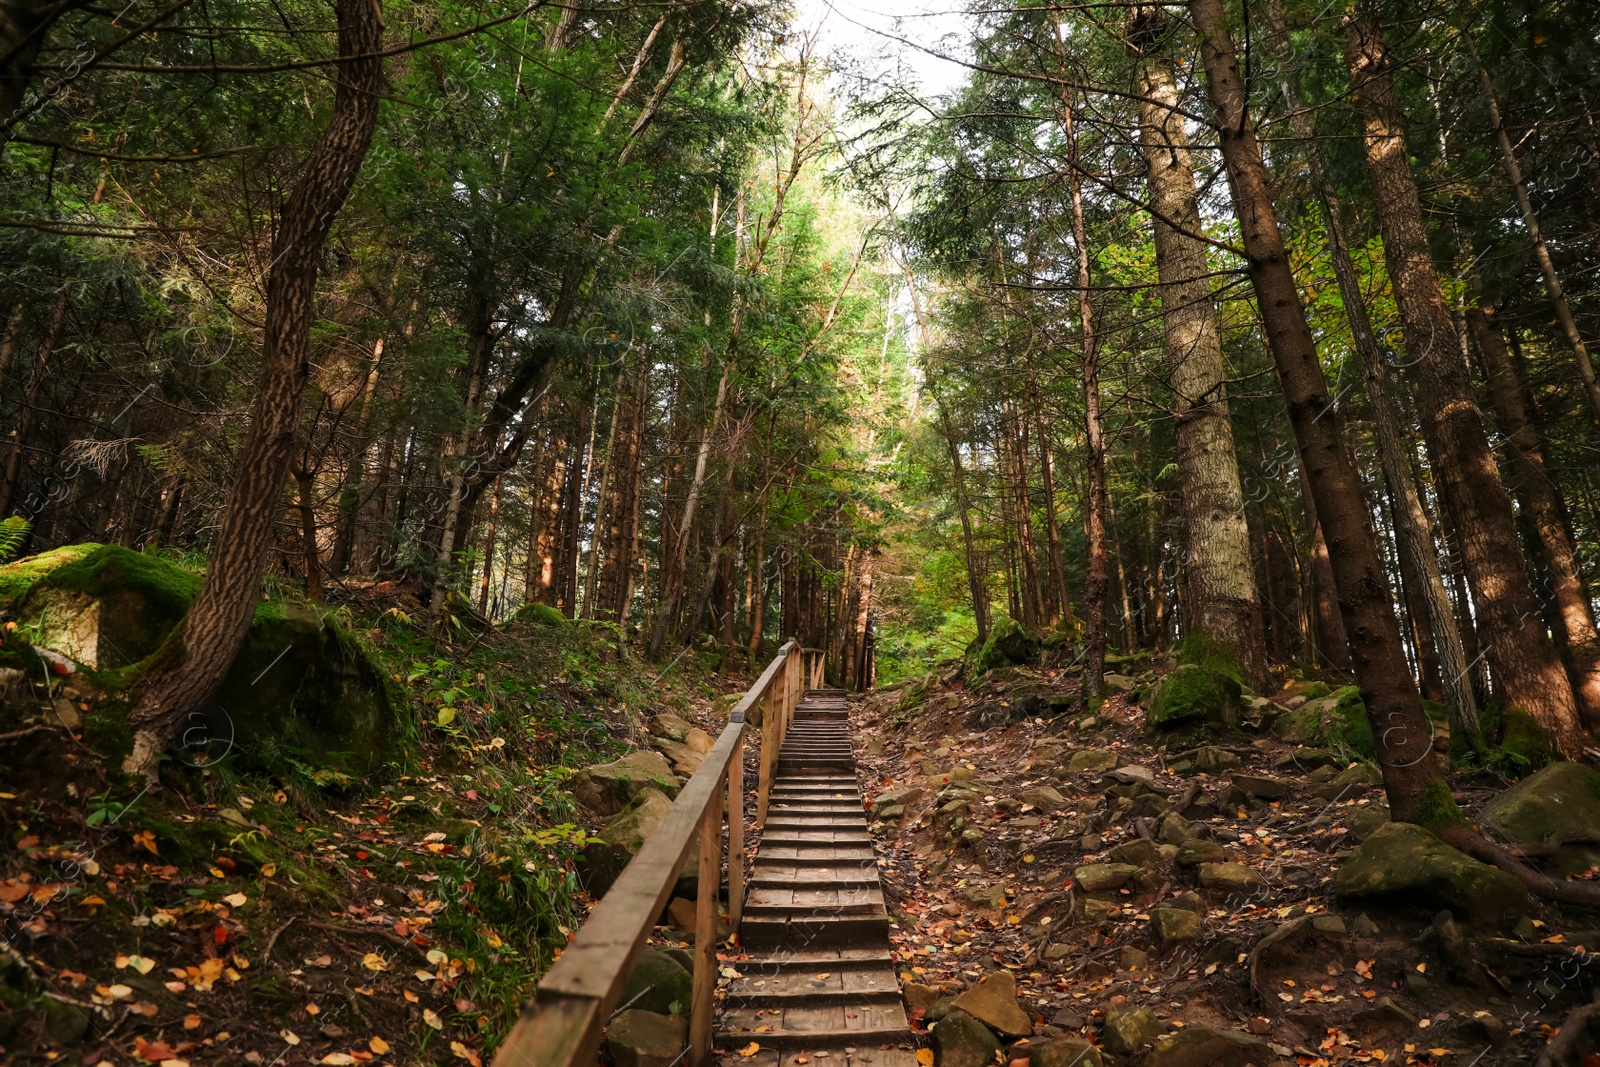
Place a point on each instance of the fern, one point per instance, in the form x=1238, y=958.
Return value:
x=13, y=535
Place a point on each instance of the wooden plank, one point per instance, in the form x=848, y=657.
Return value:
x=553, y=1030
x=736, y=837
x=705, y=935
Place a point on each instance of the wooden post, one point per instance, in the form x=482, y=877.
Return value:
x=736, y=837
x=705, y=933
x=769, y=749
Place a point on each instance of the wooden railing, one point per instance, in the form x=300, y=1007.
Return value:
x=562, y=1025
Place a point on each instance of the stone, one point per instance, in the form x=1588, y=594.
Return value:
x=1120, y=683
x=1264, y=787
x=959, y=1040
x=684, y=914
x=1259, y=1025
x=685, y=760
x=1133, y=959
x=670, y=726
x=900, y=796
x=1097, y=910
x=1104, y=877
x=1007, y=643
x=1174, y=926
x=646, y=1039
x=938, y=1010
x=1230, y=877
x=660, y=983
x=1093, y=760
x=1562, y=798
x=1405, y=864
x=1128, y=1030
x=1198, y=1046
x=1138, y=852
x=699, y=741
x=993, y=1001
x=1337, y=722
x=1067, y=1019
x=1329, y=926
x=1198, y=850
x=984, y=896
x=1066, y=1052
x=607, y=788
x=1058, y=951
x=1364, y=820
x=1194, y=694
x=1209, y=759
x=622, y=837
x=1385, y=1013
x=1045, y=798
x=1133, y=773
x=919, y=997
x=1481, y=1027
x=1175, y=829
x=1350, y=782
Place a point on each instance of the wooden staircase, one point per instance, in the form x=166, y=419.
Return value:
x=820, y=981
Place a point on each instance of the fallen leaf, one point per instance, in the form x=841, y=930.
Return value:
x=750, y=1050
x=146, y=840
x=236, y=900
x=925, y=1057
x=338, y=1059
x=431, y=1017
x=378, y=1045
x=374, y=962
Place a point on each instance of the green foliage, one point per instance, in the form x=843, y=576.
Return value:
x=13, y=535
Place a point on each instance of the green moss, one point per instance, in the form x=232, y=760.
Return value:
x=1193, y=693
x=1437, y=808
x=1348, y=724
x=1524, y=740
x=1203, y=650
x=16, y=579
x=1006, y=644
x=542, y=615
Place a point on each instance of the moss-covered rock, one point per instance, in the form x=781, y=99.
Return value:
x=1405, y=865
x=1008, y=643
x=621, y=839
x=303, y=694
x=536, y=614
x=1524, y=740
x=1194, y=694
x=1563, y=798
x=607, y=788
x=1337, y=721
x=659, y=983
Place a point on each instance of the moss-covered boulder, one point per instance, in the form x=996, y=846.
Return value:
x=607, y=788
x=1524, y=740
x=1337, y=721
x=1008, y=643
x=621, y=839
x=659, y=983
x=303, y=694
x=1564, y=798
x=1194, y=695
x=1405, y=865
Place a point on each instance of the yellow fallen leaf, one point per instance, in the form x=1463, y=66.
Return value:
x=750, y=1050
x=289, y=1037
x=338, y=1059
x=374, y=962
x=146, y=840
x=237, y=900
x=268, y=870
x=378, y=1045
x=312, y=1009
x=925, y=1057
x=431, y=1017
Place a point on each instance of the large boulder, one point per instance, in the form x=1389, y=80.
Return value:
x=959, y=1040
x=1128, y=1030
x=303, y=688
x=1196, y=1046
x=646, y=1039
x=1563, y=798
x=1195, y=695
x=1008, y=643
x=1337, y=721
x=993, y=1002
x=622, y=838
x=1406, y=865
x=659, y=983
x=607, y=788
x=1066, y=1052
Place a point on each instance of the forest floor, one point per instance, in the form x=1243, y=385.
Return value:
x=990, y=886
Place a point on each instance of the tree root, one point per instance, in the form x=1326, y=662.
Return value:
x=1468, y=840
x=1563, y=1049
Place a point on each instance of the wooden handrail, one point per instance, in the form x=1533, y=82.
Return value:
x=563, y=1023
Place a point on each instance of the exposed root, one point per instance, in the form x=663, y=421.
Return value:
x=1468, y=840
x=1565, y=1048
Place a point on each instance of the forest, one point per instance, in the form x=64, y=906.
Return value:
x=432, y=400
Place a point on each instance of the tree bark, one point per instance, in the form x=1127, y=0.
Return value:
x=1412, y=775
x=1527, y=670
x=196, y=656
x=1541, y=503
x=1222, y=602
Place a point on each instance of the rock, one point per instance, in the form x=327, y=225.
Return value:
x=699, y=741
x=1387, y=1014
x=983, y=896
x=1337, y=722
x=661, y=984
x=1481, y=1027
x=1259, y=1025
x=1097, y=910
x=1133, y=773
x=1120, y=683
x=1350, y=782
x=1365, y=819
x=993, y=1001
x=1209, y=759
x=1130, y=1029
x=1175, y=829
x=1093, y=760
x=670, y=726
x=919, y=997
x=607, y=788
x=1230, y=877
x=1405, y=864
x=1174, y=926
x=685, y=760
x=938, y=1010
x=1104, y=877
x=1562, y=798
x=1194, y=852
x=646, y=1039
x=1263, y=787
x=1007, y=643
x=959, y=1040
x=1138, y=852
x=1195, y=694
x=1067, y=1019
x=1197, y=1046
x=1066, y=1052
x=1329, y=926
x=1133, y=959
x=1058, y=951
x=1045, y=798
x=899, y=797
x=622, y=837
x=1525, y=739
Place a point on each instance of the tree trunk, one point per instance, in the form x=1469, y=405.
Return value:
x=1412, y=775
x=11, y=477
x=1332, y=644
x=672, y=568
x=197, y=654
x=1541, y=502
x=306, y=493
x=1527, y=670
x=1222, y=602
